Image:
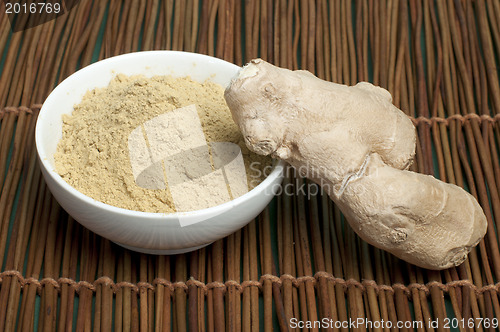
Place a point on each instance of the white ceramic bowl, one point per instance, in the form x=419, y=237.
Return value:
x=157, y=233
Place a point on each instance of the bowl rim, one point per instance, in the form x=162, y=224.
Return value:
x=277, y=170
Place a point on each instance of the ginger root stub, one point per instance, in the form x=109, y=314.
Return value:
x=357, y=145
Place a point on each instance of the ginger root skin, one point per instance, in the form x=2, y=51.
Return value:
x=357, y=145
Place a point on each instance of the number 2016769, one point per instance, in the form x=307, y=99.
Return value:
x=32, y=8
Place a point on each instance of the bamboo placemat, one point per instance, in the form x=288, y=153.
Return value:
x=439, y=59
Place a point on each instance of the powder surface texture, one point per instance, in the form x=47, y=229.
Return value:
x=93, y=154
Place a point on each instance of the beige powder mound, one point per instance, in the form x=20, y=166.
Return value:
x=93, y=154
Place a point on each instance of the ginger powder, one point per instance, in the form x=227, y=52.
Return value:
x=113, y=135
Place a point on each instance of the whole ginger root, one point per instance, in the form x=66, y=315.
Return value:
x=357, y=145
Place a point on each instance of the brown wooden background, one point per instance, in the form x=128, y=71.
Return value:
x=440, y=61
